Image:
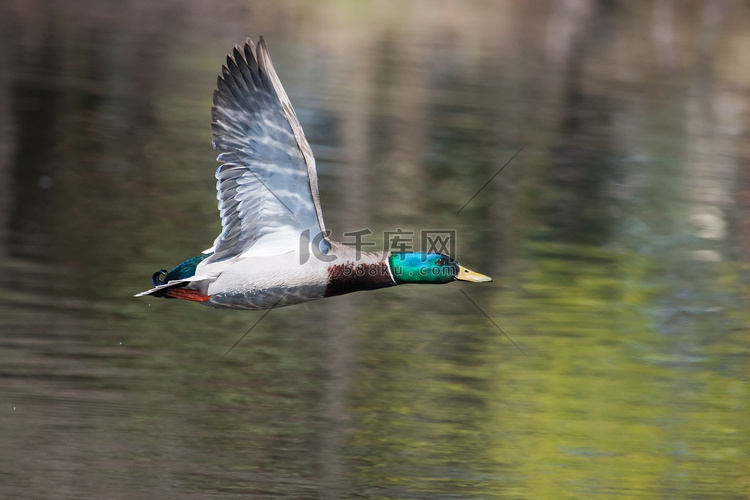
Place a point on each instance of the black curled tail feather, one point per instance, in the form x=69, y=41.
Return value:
x=159, y=277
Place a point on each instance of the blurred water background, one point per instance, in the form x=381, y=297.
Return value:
x=619, y=240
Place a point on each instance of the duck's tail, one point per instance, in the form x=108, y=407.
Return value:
x=161, y=289
x=172, y=284
x=178, y=289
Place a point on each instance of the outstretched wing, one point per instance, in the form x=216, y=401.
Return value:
x=267, y=185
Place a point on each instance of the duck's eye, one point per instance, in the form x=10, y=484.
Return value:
x=441, y=261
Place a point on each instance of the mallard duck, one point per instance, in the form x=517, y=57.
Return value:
x=273, y=249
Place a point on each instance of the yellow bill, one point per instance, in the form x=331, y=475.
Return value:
x=469, y=275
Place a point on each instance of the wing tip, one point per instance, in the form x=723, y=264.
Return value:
x=248, y=46
x=264, y=58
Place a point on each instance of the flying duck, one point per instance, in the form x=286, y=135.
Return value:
x=273, y=249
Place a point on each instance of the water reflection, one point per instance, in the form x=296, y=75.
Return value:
x=618, y=239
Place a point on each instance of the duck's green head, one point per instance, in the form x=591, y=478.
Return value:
x=435, y=268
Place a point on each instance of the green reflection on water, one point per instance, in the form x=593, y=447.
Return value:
x=604, y=403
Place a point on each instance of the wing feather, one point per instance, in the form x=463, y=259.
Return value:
x=267, y=184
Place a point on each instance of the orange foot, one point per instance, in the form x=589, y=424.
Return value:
x=187, y=294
